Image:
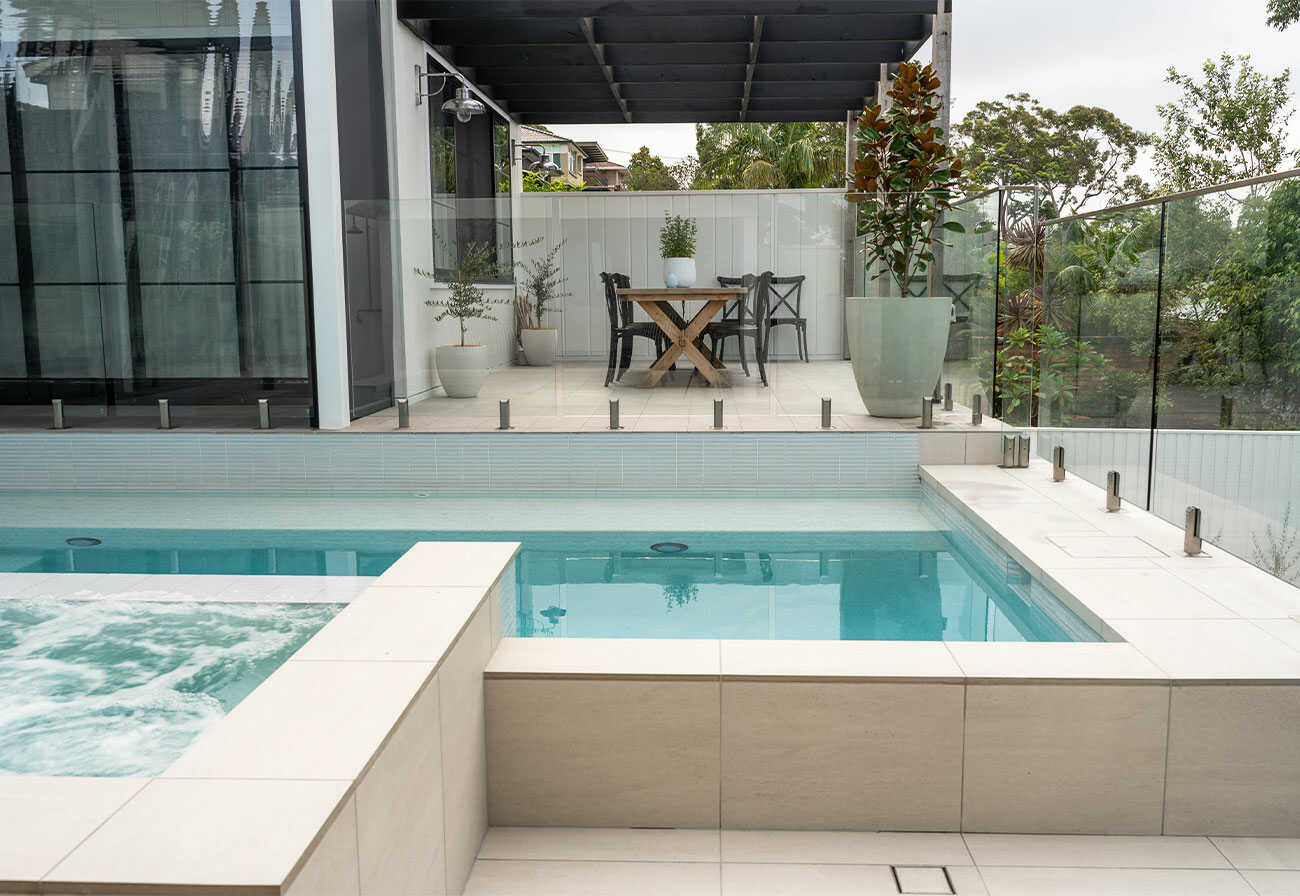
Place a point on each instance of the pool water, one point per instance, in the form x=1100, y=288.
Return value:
x=916, y=585
x=119, y=688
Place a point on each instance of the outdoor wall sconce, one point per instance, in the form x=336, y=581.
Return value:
x=463, y=105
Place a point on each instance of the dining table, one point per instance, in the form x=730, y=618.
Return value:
x=684, y=337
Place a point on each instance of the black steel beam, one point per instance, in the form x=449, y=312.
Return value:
x=842, y=52
x=579, y=9
x=650, y=74
x=579, y=91
x=811, y=91
x=845, y=28
x=598, y=53
x=591, y=114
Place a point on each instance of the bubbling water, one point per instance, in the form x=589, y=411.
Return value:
x=116, y=688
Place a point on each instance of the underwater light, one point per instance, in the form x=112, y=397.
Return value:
x=668, y=547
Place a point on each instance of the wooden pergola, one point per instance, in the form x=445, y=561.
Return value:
x=613, y=61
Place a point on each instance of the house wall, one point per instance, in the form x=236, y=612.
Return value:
x=417, y=334
x=742, y=231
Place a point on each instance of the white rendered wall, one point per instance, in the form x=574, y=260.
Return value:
x=741, y=231
x=416, y=332
x=325, y=204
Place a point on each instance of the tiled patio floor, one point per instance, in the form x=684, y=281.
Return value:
x=586, y=862
x=572, y=397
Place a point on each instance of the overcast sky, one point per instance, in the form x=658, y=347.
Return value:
x=1109, y=53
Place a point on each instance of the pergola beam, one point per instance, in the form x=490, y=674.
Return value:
x=598, y=50
x=753, y=64
x=563, y=61
x=583, y=9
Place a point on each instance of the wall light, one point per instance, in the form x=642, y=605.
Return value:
x=463, y=105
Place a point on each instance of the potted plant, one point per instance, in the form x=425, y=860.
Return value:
x=677, y=247
x=463, y=367
x=542, y=285
x=905, y=179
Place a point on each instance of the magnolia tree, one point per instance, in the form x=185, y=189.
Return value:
x=905, y=176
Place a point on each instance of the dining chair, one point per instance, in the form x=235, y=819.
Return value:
x=787, y=293
x=733, y=309
x=751, y=311
x=623, y=329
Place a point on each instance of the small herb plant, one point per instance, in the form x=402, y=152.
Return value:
x=677, y=238
x=542, y=285
x=905, y=176
x=465, y=299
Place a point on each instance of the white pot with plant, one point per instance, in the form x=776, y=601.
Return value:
x=463, y=367
x=677, y=247
x=542, y=286
x=906, y=178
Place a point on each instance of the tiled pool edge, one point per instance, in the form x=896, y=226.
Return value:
x=483, y=464
x=338, y=789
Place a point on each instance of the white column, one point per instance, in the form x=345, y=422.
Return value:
x=325, y=216
x=943, y=68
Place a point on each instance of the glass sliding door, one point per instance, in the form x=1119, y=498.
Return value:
x=152, y=235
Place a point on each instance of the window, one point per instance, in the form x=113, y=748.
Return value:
x=152, y=234
x=470, y=184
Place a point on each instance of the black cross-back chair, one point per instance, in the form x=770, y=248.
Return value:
x=787, y=293
x=751, y=311
x=733, y=309
x=623, y=329
x=722, y=329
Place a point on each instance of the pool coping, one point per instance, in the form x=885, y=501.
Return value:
x=389, y=646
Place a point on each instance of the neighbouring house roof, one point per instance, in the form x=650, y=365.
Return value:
x=536, y=135
x=596, y=61
x=591, y=149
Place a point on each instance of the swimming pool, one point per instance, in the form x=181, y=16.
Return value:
x=117, y=688
x=916, y=585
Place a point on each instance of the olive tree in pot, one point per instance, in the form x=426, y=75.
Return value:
x=542, y=285
x=677, y=248
x=905, y=177
x=463, y=367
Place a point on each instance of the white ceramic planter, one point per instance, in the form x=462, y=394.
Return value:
x=539, y=345
x=461, y=368
x=679, y=272
x=897, y=348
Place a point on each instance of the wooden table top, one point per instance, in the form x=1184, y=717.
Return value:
x=698, y=292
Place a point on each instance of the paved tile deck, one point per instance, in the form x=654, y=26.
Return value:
x=578, y=861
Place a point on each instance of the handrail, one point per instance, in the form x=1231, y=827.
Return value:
x=1186, y=194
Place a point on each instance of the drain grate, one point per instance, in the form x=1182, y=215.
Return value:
x=922, y=879
x=82, y=542
x=668, y=547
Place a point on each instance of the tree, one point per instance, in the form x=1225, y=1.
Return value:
x=536, y=183
x=782, y=155
x=1283, y=13
x=648, y=172
x=1074, y=157
x=1230, y=126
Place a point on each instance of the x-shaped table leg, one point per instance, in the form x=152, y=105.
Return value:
x=683, y=338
